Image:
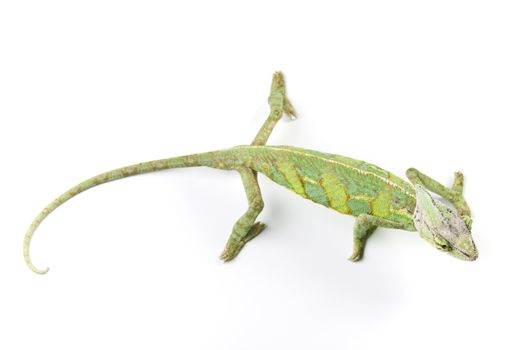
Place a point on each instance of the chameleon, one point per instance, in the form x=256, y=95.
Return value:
x=376, y=197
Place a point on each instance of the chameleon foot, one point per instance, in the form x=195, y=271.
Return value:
x=233, y=247
x=359, y=249
x=278, y=101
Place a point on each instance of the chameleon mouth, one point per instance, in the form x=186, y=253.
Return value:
x=470, y=257
x=471, y=253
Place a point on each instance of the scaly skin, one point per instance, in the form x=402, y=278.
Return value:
x=346, y=185
x=352, y=187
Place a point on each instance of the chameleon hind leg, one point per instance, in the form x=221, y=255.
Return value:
x=279, y=104
x=364, y=226
x=245, y=229
x=454, y=194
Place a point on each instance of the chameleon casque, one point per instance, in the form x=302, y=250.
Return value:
x=376, y=197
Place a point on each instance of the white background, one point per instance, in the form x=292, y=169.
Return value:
x=89, y=86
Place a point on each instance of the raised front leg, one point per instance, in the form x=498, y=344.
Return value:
x=279, y=104
x=246, y=228
x=454, y=194
x=364, y=226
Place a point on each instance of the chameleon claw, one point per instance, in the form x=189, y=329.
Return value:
x=356, y=256
x=254, y=231
x=289, y=110
x=233, y=248
x=278, y=101
x=227, y=255
x=457, y=185
x=361, y=233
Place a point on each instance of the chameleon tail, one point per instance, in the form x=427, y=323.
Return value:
x=207, y=159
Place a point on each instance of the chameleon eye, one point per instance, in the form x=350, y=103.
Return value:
x=441, y=243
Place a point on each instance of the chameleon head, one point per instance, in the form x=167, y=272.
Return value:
x=443, y=227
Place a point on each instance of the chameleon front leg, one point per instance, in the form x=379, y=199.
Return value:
x=364, y=226
x=453, y=194
x=279, y=104
x=245, y=229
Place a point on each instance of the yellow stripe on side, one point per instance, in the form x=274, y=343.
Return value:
x=381, y=204
x=334, y=189
x=289, y=172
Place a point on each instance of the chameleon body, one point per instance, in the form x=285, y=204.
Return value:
x=376, y=197
x=344, y=184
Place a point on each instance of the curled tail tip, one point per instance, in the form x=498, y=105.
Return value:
x=33, y=268
x=38, y=271
x=43, y=271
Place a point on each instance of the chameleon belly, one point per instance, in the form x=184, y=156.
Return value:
x=344, y=184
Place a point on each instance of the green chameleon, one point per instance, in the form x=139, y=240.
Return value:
x=375, y=196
